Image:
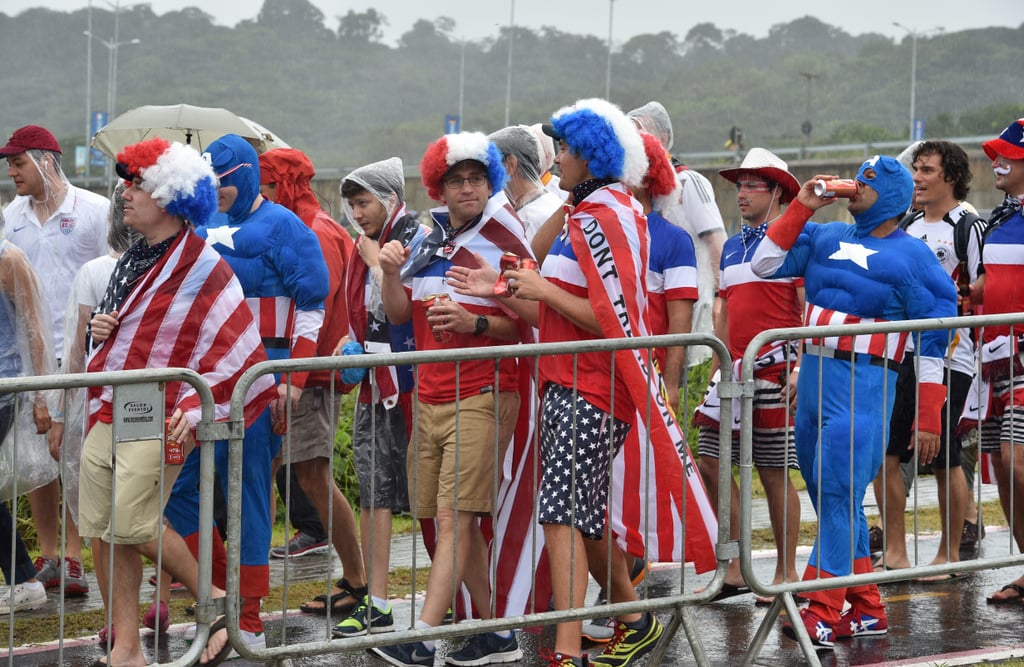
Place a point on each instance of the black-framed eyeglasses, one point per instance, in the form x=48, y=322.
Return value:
x=456, y=182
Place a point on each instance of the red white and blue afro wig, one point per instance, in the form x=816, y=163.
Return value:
x=452, y=149
x=597, y=131
x=176, y=175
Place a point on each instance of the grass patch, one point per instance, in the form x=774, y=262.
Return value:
x=928, y=521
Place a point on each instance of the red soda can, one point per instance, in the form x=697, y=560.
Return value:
x=428, y=303
x=508, y=261
x=174, y=453
x=839, y=187
x=279, y=426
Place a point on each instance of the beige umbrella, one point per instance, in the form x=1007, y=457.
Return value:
x=198, y=126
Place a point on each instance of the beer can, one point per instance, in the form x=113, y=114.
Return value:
x=174, y=453
x=428, y=303
x=839, y=187
x=279, y=426
x=508, y=261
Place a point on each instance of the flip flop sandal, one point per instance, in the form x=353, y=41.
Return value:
x=225, y=650
x=940, y=579
x=357, y=593
x=730, y=591
x=1017, y=599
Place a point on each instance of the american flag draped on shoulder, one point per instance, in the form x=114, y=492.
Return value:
x=656, y=486
x=522, y=582
x=187, y=311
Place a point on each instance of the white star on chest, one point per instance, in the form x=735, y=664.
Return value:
x=221, y=235
x=854, y=252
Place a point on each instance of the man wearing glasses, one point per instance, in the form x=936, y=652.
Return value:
x=747, y=306
x=463, y=411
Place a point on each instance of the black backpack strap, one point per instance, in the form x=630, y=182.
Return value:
x=909, y=218
x=962, y=233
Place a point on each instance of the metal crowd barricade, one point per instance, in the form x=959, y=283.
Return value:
x=784, y=593
x=146, y=386
x=679, y=604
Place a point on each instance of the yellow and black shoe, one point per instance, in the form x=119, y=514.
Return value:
x=631, y=641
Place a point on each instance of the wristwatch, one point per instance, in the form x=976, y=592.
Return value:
x=481, y=325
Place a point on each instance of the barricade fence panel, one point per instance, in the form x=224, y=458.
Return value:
x=865, y=412
x=475, y=492
x=127, y=459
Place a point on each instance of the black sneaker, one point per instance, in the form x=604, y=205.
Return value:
x=876, y=538
x=972, y=534
x=486, y=649
x=366, y=617
x=414, y=654
x=639, y=571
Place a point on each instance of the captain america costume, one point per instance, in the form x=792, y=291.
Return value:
x=280, y=265
x=852, y=276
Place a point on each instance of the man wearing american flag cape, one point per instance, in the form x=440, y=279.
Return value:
x=592, y=285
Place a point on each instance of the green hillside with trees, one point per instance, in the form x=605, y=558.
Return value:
x=347, y=98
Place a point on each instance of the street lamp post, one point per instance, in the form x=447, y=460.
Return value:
x=88, y=95
x=914, y=34
x=608, y=71
x=462, y=76
x=508, y=79
x=112, y=47
x=806, y=127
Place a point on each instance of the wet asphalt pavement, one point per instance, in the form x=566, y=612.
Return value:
x=933, y=624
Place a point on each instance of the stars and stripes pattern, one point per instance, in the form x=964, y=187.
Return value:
x=187, y=311
x=521, y=580
x=659, y=507
x=890, y=346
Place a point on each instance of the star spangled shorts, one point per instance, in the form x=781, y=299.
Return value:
x=577, y=444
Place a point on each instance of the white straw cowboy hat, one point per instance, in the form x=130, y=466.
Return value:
x=768, y=165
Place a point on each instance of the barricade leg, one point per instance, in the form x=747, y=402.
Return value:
x=682, y=615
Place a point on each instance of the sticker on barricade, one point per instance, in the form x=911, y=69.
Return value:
x=139, y=412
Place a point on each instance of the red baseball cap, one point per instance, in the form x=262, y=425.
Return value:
x=1009, y=144
x=30, y=137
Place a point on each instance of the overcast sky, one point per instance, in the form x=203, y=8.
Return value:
x=631, y=17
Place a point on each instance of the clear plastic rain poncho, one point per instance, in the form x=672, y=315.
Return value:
x=547, y=161
x=25, y=350
x=524, y=187
x=654, y=119
x=55, y=183
x=385, y=180
x=86, y=293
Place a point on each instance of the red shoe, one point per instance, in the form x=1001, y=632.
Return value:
x=104, y=633
x=822, y=634
x=149, y=619
x=175, y=584
x=855, y=623
x=75, y=583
